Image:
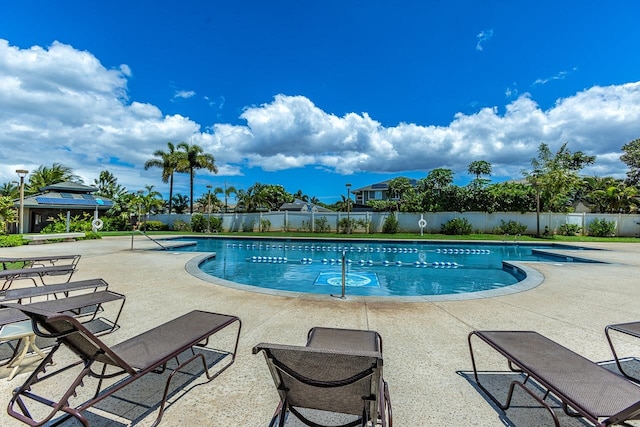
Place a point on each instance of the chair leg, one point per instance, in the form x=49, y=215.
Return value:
x=16, y=361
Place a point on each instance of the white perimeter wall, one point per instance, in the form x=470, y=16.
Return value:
x=626, y=224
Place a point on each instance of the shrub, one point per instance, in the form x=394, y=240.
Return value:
x=322, y=225
x=155, y=226
x=457, y=226
x=115, y=223
x=365, y=224
x=77, y=223
x=390, y=225
x=510, y=227
x=265, y=225
x=569, y=229
x=198, y=223
x=180, y=225
x=346, y=225
x=11, y=240
x=247, y=227
x=305, y=227
x=215, y=224
x=90, y=235
x=600, y=227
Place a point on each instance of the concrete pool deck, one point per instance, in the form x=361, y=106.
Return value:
x=425, y=343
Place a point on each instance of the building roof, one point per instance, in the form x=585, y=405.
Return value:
x=382, y=186
x=68, y=186
x=301, y=206
x=66, y=195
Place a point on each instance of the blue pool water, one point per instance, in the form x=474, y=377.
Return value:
x=372, y=268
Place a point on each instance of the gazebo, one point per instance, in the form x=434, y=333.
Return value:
x=67, y=198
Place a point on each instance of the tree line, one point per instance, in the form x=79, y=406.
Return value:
x=552, y=184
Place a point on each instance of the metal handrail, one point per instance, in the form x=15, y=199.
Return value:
x=344, y=275
x=148, y=237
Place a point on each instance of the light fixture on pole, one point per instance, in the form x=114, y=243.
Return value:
x=21, y=173
x=209, y=209
x=348, y=208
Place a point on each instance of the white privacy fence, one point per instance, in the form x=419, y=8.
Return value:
x=481, y=222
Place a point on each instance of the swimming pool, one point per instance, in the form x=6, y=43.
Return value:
x=372, y=268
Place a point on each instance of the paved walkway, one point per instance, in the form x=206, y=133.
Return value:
x=425, y=343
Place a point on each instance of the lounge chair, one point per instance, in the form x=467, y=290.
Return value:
x=632, y=329
x=88, y=300
x=32, y=273
x=41, y=260
x=134, y=358
x=339, y=371
x=585, y=389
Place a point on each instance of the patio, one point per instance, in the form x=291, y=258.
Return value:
x=425, y=344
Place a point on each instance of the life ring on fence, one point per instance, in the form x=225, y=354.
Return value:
x=422, y=223
x=97, y=223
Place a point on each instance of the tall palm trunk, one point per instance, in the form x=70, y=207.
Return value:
x=191, y=190
x=170, y=193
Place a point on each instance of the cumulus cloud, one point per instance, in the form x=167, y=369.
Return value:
x=59, y=104
x=291, y=132
x=483, y=37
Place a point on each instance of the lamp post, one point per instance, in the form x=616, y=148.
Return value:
x=209, y=208
x=21, y=173
x=348, y=208
x=140, y=210
x=537, y=212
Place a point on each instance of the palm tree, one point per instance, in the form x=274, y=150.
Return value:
x=9, y=189
x=251, y=199
x=227, y=191
x=193, y=157
x=168, y=161
x=108, y=186
x=301, y=196
x=44, y=176
x=180, y=203
x=152, y=200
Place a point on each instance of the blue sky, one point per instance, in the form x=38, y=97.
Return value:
x=314, y=95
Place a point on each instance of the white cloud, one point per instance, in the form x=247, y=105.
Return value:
x=185, y=94
x=511, y=91
x=62, y=105
x=291, y=131
x=561, y=75
x=483, y=36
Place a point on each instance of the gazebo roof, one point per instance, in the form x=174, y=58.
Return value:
x=68, y=186
x=66, y=195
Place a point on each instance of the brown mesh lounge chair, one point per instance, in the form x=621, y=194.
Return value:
x=585, y=389
x=339, y=371
x=632, y=329
x=131, y=359
x=41, y=261
x=31, y=273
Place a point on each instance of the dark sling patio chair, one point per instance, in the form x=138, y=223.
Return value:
x=147, y=352
x=338, y=372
